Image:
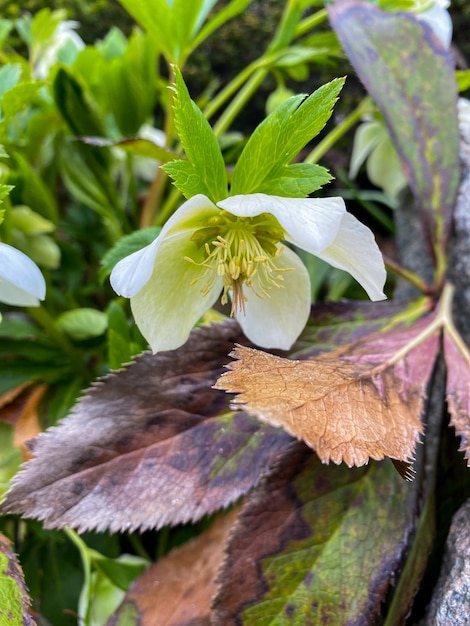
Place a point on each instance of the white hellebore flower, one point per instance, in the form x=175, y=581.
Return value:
x=234, y=249
x=21, y=281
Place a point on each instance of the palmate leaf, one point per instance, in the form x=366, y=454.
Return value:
x=149, y=446
x=410, y=75
x=315, y=545
x=360, y=402
x=281, y=136
x=206, y=167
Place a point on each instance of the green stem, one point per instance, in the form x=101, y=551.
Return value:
x=239, y=102
x=311, y=22
x=329, y=141
x=157, y=188
x=235, y=84
x=408, y=275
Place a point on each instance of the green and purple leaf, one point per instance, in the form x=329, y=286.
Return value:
x=316, y=545
x=458, y=391
x=14, y=598
x=410, y=75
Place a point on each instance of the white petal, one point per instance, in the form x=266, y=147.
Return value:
x=356, y=251
x=21, y=281
x=134, y=271
x=438, y=18
x=277, y=321
x=309, y=223
x=168, y=306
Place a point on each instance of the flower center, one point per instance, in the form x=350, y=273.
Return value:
x=242, y=251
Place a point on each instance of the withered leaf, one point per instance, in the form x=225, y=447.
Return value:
x=148, y=446
x=458, y=391
x=178, y=590
x=359, y=402
x=316, y=545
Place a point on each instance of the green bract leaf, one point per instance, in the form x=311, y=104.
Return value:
x=81, y=324
x=296, y=180
x=125, y=246
x=185, y=177
x=281, y=136
x=200, y=145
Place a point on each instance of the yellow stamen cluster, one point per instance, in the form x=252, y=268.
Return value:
x=242, y=251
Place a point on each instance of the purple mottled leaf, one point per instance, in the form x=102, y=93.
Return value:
x=458, y=390
x=148, y=446
x=410, y=75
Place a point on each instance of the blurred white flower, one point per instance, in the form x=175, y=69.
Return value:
x=46, y=55
x=21, y=281
x=438, y=18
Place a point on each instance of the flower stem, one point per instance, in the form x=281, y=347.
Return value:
x=239, y=102
x=411, y=277
x=311, y=22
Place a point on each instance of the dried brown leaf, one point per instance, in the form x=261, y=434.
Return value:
x=178, y=589
x=360, y=402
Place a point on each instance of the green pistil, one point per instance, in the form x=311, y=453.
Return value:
x=242, y=251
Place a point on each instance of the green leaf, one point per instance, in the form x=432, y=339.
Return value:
x=155, y=17
x=15, y=602
x=19, y=97
x=411, y=77
x=82, y=324
x=186, y=178
x=138, y=146
x=9, y=77
x=281, y=136
x=76, y=105
x=224, y=15
x=463, y=79
x=296, y=181
x=10, y=461
x=199, y=143
x=125, y=246
x=303, y=551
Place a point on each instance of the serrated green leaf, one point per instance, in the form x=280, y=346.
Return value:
x=186, y=178
x=281, y=136
x=84, y=323
x=199, y=142
x=125, y=246
x=296, y=181
x=15, y=602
